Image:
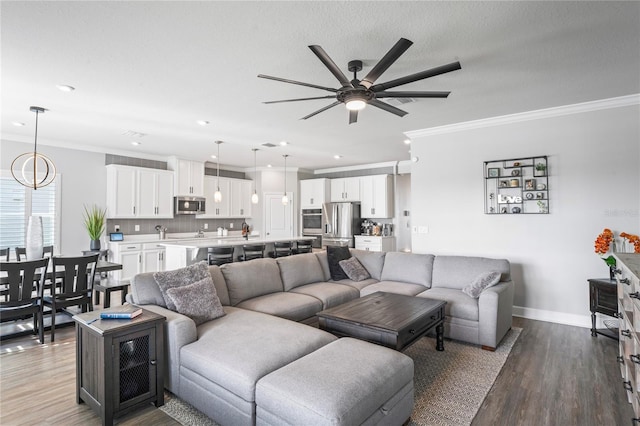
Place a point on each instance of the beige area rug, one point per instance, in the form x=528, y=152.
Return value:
x=449, y=386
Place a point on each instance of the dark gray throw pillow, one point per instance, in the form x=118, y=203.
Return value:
x=179, y=277
x=354, y=269
x=482, y=282
x=334, y=255
x=199, y=301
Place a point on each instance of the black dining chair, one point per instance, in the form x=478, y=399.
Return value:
x=220, y=255
x=4, y=254
x=21, y=252
x=281, y=249
x=20, y=300
x=78, y=275
x=303, y=246
x=251, y=251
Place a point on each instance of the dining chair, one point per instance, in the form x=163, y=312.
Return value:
x=21, y=252
x=4, y=254
x=19, y=298
x=303, y=246
x=281, y=249
x=220, y=255
x=252, y=251
x=78, y=275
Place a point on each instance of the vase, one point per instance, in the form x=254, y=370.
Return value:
x=35, y=238
x=94, y=245
x=612, y=273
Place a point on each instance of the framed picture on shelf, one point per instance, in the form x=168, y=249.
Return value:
x=504, y=183
x=530, y=184
x=493, y=172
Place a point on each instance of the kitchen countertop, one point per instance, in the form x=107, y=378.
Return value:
x=197, y=243
x=153, y=238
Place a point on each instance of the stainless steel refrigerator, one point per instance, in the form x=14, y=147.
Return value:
x=340, y=222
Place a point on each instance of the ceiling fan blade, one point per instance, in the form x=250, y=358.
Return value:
x=299, y=99
x=353, y=116
x=321, y=110
x=284, y=80
x=388, y=108
x=328, y=62
x=417, y=76
x=412, y=94
x=387, y=60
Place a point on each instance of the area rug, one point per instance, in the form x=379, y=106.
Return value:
x=449, y=386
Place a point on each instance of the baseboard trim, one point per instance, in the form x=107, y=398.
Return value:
x=583, y=321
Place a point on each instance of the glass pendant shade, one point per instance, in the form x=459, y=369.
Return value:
x=217, y=196
x=254, y=198
x=285, y=199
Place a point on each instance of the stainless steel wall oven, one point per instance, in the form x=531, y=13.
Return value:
x=312, y=225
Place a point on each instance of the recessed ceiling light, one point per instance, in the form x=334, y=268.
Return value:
x=283, y=143
x=17, y=124
x=214, y=156
x=337, y=157
x=407, y=141
x=135, y=143
x=202, y=122
x=268, y=165
x=65, y=88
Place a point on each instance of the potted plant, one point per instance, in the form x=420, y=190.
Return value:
x=94, y=222
x=541, y=169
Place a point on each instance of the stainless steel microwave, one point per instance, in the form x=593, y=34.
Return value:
x=189, y=205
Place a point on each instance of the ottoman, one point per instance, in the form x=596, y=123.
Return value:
x=347, y=382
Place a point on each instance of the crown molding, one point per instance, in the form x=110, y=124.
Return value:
x=621, y=101
x=356, y=167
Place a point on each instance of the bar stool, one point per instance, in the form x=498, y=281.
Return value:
x=303, y=246
x=251, y=251
x=219, y=255
x=281, y=249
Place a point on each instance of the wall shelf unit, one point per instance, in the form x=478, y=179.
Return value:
x=517, y=186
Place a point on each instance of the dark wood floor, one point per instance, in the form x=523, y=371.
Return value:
x=555, y=375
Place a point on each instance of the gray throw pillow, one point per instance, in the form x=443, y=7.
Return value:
x=354, y=269
x=179, y=277
x=199, y=301
x=482, y=282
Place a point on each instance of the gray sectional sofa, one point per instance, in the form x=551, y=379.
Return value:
x=228, y=367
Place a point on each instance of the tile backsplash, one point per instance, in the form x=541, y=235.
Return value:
x=179, y=224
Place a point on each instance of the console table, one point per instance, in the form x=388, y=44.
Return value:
x=603, y=299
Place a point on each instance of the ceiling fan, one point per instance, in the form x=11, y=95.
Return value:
x=356, y=94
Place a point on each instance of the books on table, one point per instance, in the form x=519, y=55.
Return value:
x=122, y=312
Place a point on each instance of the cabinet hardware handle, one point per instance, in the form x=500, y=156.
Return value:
x=627, y=385
x=625, y=333
x=152, y=362
x=134, y=209
x=412, y=331
x=635, y=358
x=635, y=295
x=618, y=315
x=620, y=359
x=625, y=281
x=617, y=271
x=311, y=201
x=140, y=258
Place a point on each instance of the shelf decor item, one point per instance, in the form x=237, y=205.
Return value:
x=493, y=172
x=632, y=239
x=94, y=222
x=602, y=245
x=35, y=238
x=541, y=169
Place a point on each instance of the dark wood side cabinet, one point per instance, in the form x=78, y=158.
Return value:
x=119, y=362
x=603, y=298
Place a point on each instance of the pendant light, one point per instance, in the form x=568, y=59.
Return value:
x=254, y=197
x=285, y=199
x=38, y=162
x=217, y=196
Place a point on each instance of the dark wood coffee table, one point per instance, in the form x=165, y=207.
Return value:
x=392, y=320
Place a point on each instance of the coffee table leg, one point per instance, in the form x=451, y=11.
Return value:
x=440, y=337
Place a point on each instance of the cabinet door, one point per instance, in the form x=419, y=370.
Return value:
x=246, y=189
x=367, y=197
x=196, y=176
x=312, y=193
x=352, y=189
x=376, y=194
x=153, y=260
x=121, y=192
x=221, y=209
x=131, y=264
x=337, y=190
x=235, y=206
x=183, y=177
x=164, y=191
x=147, y=193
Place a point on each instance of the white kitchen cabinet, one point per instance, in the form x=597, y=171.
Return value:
x=130, y=256
x=213, y=209
x=314, y=193
x=138, y=192
x=188, y=177
x=240, y=194
x=345, y=189
x=373, y=243
x=153, y=257
x=376, y=196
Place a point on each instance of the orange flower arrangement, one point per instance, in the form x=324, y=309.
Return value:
x=633, y=239
x=602, y=244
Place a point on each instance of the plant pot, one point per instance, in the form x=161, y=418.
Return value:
x=94, y=245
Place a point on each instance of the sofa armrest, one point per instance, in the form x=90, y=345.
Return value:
x=495, y=313
x=179, y=330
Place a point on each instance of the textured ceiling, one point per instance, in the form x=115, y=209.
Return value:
x=157, y=67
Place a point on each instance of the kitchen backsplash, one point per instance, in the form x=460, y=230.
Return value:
x=179, y=224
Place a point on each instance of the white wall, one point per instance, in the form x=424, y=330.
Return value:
x=594, y=183
x=84, y=181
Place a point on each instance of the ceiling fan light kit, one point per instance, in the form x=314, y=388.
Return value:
x=357, y=94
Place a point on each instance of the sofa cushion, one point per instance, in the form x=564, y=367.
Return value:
x=334, y=255
x=198, y=301
x=299, y=270
x=179, y=277
x=358, y=285
x=482, y=281
x=329, y=293
x=459, y=271
x=252, y=278
x=408, y=267
x=289, y=305
x=254, y=344
x=459, y=305
x=220, y=284
x=393, y=287
x=145, y=290
x=324, y=263
x=354, y=269
x=373, y=261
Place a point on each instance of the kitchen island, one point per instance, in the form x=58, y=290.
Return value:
x=183, y=253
